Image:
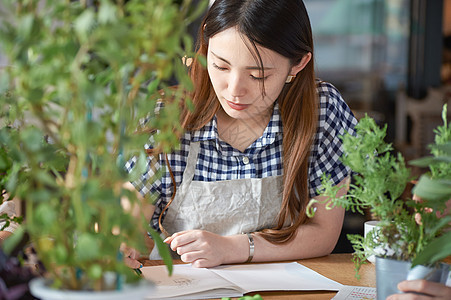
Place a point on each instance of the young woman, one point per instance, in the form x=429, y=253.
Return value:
x=263, y=132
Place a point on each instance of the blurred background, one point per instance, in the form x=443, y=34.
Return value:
x=390, y=59
x=377, y=51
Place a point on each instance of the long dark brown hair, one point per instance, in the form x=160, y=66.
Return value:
x=284, y=27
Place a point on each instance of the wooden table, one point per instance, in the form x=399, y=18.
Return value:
x=338, y=267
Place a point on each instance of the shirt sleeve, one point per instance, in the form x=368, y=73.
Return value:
x=146, y=182
x=335, y=119
x=147, y=179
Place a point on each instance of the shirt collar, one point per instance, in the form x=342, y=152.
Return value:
x=210, y=130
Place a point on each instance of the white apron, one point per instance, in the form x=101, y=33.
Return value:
x=224, y=207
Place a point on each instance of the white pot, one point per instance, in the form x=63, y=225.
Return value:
x=368, y=227
x=39, y=288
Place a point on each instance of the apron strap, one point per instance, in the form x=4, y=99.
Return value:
x=191, y=162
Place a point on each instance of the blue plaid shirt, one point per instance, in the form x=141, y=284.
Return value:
x=218, y=160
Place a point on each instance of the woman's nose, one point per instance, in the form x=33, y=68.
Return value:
x=236, y=85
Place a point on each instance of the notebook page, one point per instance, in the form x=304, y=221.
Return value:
x=276, y=277
x=188, y=282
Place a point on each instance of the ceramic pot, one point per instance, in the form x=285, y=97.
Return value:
x=390, y=272
x=370, y=226
x=39, y=288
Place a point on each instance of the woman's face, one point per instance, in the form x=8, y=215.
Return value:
x=236, y=77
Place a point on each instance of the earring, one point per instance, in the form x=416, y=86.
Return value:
x=290, y=78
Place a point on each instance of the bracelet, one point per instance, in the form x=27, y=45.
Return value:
x=251, y=247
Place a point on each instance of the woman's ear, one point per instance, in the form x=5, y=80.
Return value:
x=301, y=65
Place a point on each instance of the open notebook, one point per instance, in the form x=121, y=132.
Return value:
x=188, y=282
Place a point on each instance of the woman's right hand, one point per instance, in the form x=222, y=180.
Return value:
x=131, y=256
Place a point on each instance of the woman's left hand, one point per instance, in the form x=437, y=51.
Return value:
x=201, y=248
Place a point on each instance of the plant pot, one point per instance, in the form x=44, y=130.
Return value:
x=370, y=226
x=390, y=272
x=40, y=288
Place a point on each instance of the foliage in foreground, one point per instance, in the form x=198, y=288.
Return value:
x=80, y=76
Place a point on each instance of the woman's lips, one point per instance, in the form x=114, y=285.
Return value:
x=237, y=106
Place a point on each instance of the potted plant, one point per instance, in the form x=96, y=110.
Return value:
x=409, y=231
x=80, y=77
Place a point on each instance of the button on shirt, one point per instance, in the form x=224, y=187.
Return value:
x=217, y=160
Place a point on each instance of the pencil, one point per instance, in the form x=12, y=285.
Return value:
x=138, y=271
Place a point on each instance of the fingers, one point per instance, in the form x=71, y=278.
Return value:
x=132, y=263
x=202, y=263
x=414, y=286
x=130, y=252
x=416, y=198
x=181, y=238
x=434, y=289
x=193, y=256
x=131, y=256
x=169, y=239
x=408, y=297
x=196, y=247
x=186, y=245
x=429, y=290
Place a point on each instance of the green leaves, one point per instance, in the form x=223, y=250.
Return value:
x=107, y=13
x=81, y=79
x=25, y=27
x=380, y=184
x=381, y=176
x=87, y=247
x=13, y=240
x=140, y=167
x=433, y=189
x=162, y=249
x=84, y=24
x=33, y=139
x=434, y=251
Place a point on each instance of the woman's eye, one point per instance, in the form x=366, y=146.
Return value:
x=218, y=67
x=258, y=78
